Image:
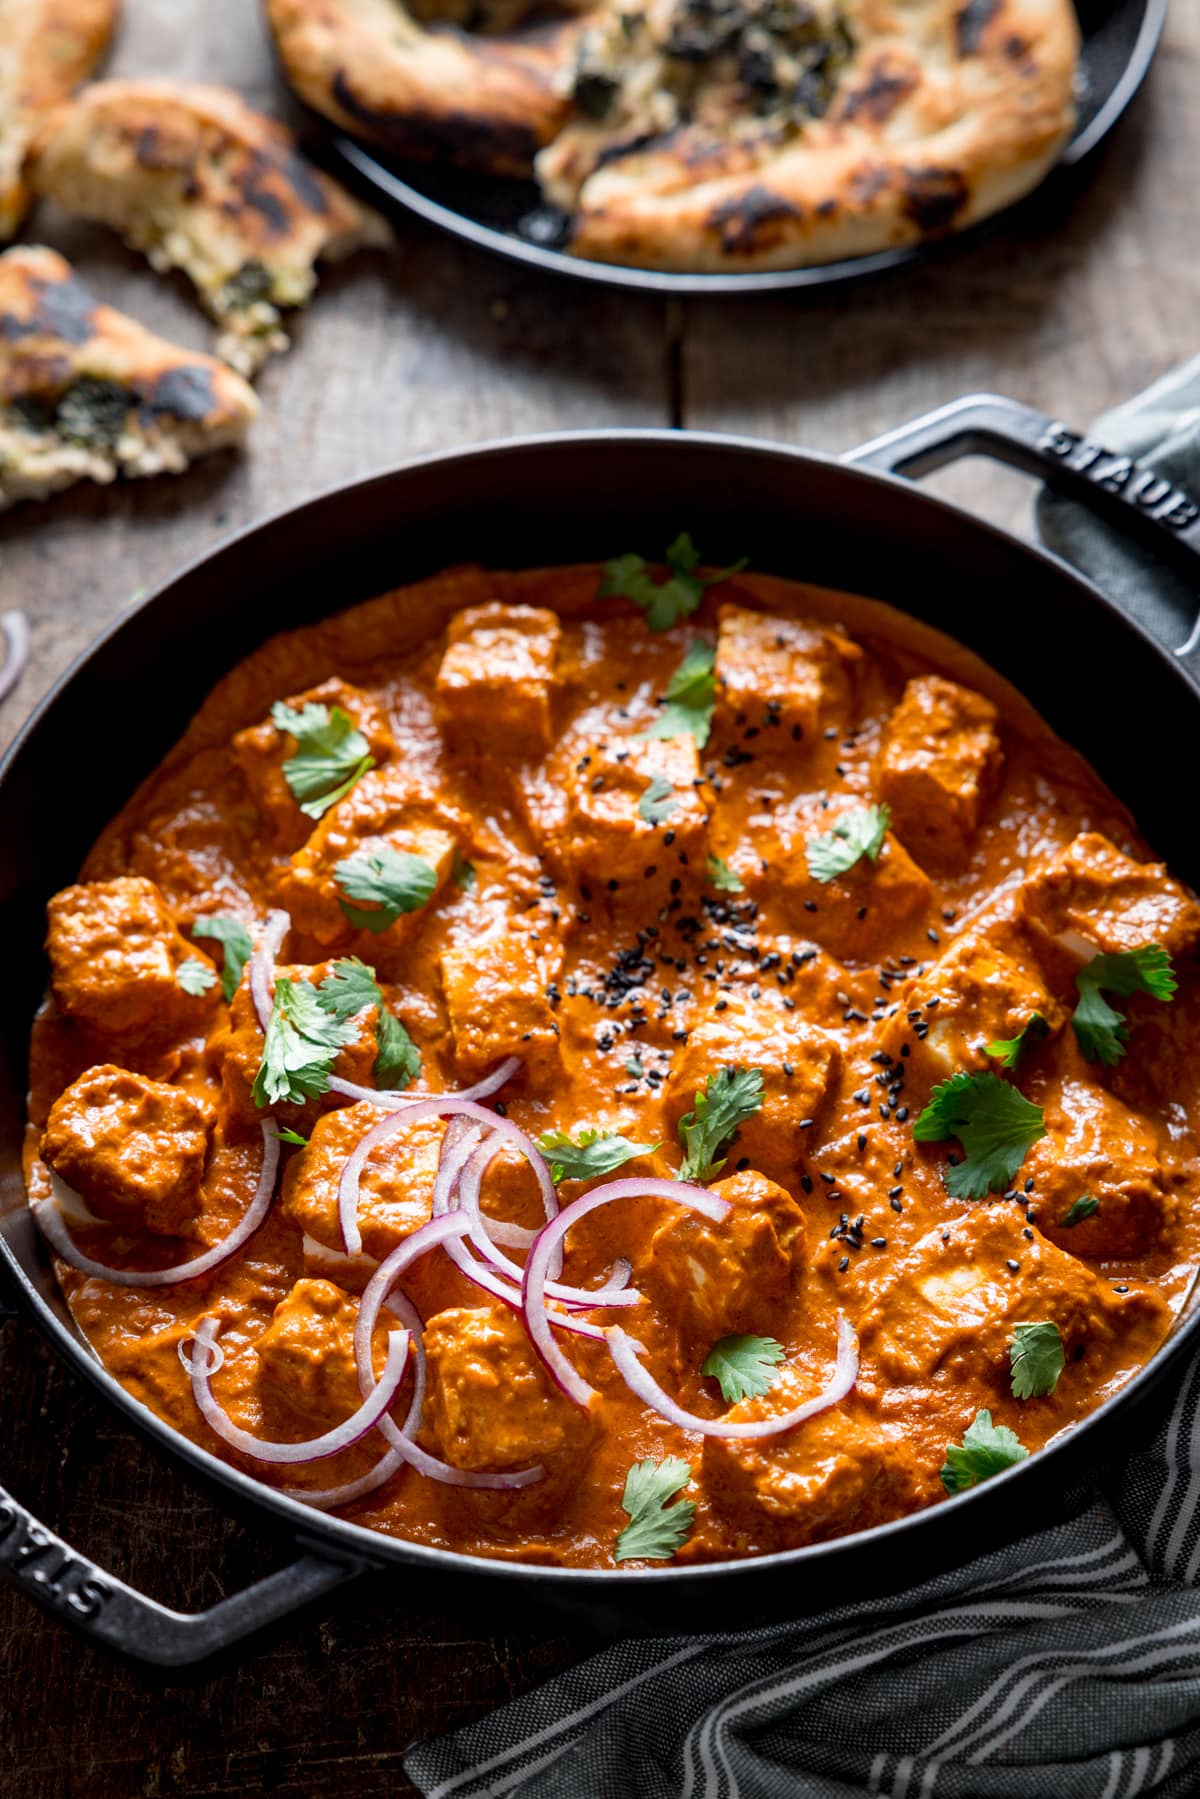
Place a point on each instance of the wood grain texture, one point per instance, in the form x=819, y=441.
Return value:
x=431, y=347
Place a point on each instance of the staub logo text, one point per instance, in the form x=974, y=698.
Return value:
x=37, y=1558
x=1134, y=481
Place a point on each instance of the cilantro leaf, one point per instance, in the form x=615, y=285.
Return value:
x=237, y=942
x=634, y=1067
x=986, y=1449
x=588, y=1155
x=331, y=754
x=658, y=802
x=1084, y=1207
x=730, y=1097
x=302, y=1044
x=663, y=602
x=348, y=989
x=691, y=696
x=1100, y=1029
x=463, y=874
x=195, y=976
x=393, y=880
x=724, y=878
x=743, y=1366
x=856, y=834
x=1038, y=1358
x=655, y=1530
x=1009, y=1050
x=995, y=1124
x=287, y=1135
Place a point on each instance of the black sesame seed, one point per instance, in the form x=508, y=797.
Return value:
x=1013, y=1267
x=878, y=1242
x=843, y=1264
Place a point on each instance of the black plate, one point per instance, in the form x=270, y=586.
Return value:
x=1120, y=38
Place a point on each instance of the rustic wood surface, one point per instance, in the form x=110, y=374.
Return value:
x=437, y=345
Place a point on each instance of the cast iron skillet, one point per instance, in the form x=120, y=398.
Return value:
x=565, y=499
x=510, y=218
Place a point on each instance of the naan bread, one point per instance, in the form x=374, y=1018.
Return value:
x=47, y=47
x=87, y=394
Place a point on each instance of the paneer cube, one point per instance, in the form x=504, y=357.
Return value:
x=388, y=810
x=237, y=1048
x=395, y=1190
x=491, y=1406
x=857, y=916
x=976, y=993
x=799, y=1066
x=1095, y=1147
x=738, y=1276
x=957, y=1294
x=636, y=818
x=115, y=953
x=260, y=752
x=133, y=1148
x=496, y=681
x=306, y=1353
x=1091, y=898
x=835, y=1473
x=495, y=988
x=793, y=674
x=938, y=766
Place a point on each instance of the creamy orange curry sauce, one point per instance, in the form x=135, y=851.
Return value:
x=639, y=919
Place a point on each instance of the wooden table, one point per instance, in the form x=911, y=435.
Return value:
x=436, y=346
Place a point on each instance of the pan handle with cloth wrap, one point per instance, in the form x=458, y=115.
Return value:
x=1127, y=493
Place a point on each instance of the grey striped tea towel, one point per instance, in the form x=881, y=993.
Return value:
x=1066, y=1666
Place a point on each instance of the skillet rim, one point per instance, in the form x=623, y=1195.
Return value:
x=375, y=1547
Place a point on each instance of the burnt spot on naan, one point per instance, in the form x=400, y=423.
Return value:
x=455, y=136
x=182, y=393
x=886, y=87
x=751, y=222
x=867, y=182
x=932, y=198
x=971, y=23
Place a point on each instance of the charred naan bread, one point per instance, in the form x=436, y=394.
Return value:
x=718, y=134
x=47, y=47
x=480, y=83
x=87, y=394
x=200, y=182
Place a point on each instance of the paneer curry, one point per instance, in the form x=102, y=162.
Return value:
x=620, y=1064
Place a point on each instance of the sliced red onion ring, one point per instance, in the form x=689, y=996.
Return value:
x=72, y=1205
x=442, y=1105
x=54, y=1229
x=642, y=1383
x=381, y=1289
x=15, y=627
x=458, y=1143
x=389, y=1100
x=485, y=1235
x=214, y=1357
x=533, y=1290
x=342, y=1436
x=262, y=965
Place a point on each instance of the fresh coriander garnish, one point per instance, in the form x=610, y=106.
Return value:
x=237, y=942
x=995, y=1124
x=1009, y=1050
x=691, y=696
x=1084, y=1207
x=655, y=1530
x=589, y=1154
x=348, y=989
x=1038, y=1358
x=463, y=874
x=986, y=1449
x=658, y=802
x=1099, y=1027
x=331, y=754
x=393, y=880
x=663, y=602
x=195, y=976
x=856, y=834
x=744, y=1366
x=730, y=1097
x=724, y=878
x=635, y=1068
x=287, y=1135
x=301, y=1047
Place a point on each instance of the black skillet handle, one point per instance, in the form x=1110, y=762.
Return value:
x=1130, y=495
x=46, y=1569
